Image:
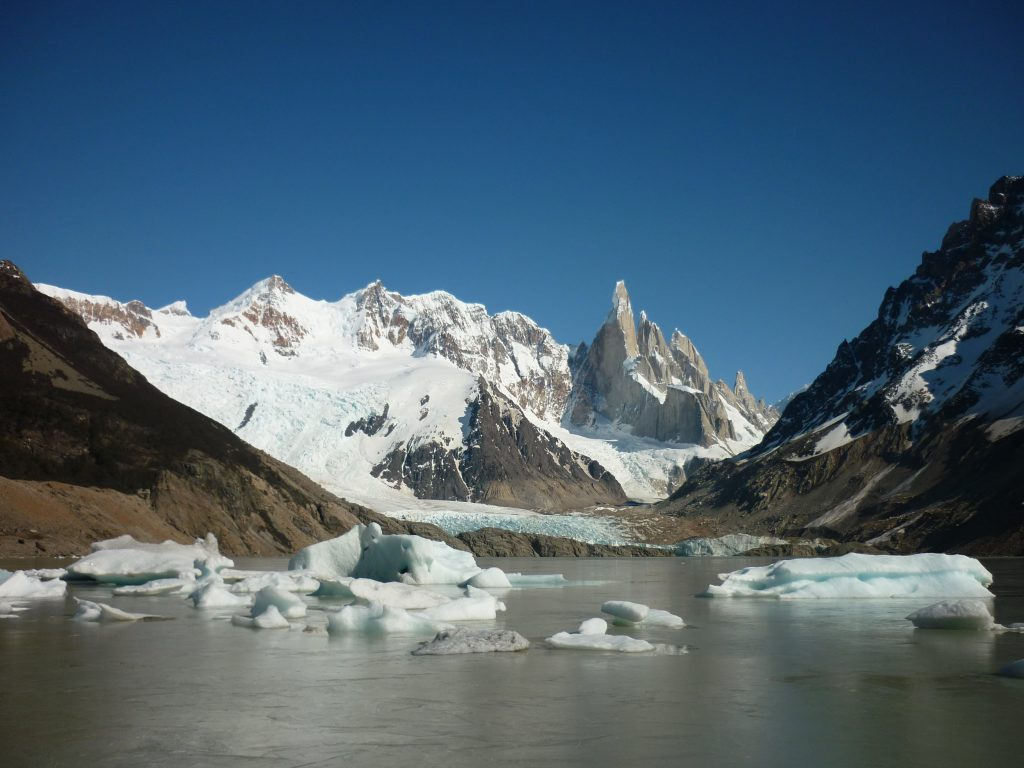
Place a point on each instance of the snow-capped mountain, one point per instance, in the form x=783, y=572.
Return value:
x=383, y=396
x=630, y=375
x=913, y=436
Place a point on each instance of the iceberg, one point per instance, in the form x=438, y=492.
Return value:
x=477, y=605
x=376, y=618
x=633, y=613
x=9, y=610
x=175, y=586
x=954, y=614
x=464, y=640
x=300, y=582
x=90, y=611
x=728, y=545
x=536, y=579
x=591, y=637
x=269, y=618
x=395, y=594
x=21, y=585
x=629, y=614
x=213, y=594
x=488, y=578
x=332, y=559
x=289, y=606
x=1013, y=669
x=411, y=559
x=859, y=576
x=125, y=561
x=366, y=552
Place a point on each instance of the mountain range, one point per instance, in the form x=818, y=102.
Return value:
x=388, y=398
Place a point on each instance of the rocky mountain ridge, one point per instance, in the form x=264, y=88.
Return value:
x=913, y=436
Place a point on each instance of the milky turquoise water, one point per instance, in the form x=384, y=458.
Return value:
x=765, y=683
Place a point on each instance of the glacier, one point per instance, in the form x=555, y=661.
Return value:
x=859, y=576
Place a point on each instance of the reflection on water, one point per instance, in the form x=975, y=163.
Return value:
x=766, y=683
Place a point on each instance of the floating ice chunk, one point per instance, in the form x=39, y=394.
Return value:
x=1013, y=669
x=632, y=613
x=659, y=618
x=126, y=561
x=336, y=587
x=269, y=618
x=570, y=641
x=395, y=594
x=493, y=578
x=332, y=559
x=176, y=586
x=954, y=614
x=731, y=544
x=90, y=611
x=536, y=579
x=381, y=619
x=411, y=559
x=288, y=604
x=593, y=627
x=300, y=582
x=45, y=574
x=477, y=605
x=464, y=640
x=21, y=585
x=857, y=575
x=213, y=594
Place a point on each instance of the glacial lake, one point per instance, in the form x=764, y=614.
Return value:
x=764, y=683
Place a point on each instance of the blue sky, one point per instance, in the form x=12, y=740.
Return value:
x=757, y=173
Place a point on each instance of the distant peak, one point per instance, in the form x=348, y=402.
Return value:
x=741, y=383
x=620, y=298
x=179, y=308
x=277, y=284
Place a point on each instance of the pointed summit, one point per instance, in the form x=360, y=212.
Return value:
x=622, y=316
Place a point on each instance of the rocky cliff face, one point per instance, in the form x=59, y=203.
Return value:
x=89, y=449
x=913, y=436
x=630, y=375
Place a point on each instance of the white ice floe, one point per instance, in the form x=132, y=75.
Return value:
x=411, y=559
x=214, y=594
x=731, y=544
x=464, y=640
x=488, y=578
x=1013, y=669
x=591, y=637
x=395, y=594
x=954, y=614
x=629, y=614
x=332, y=559
x=855, y=575
x=381, y=620
x=184, y=585
x=269, y=618
x=299, y=582
x=287, y=603
x=477, y=605
x=593, y=627
x=366, y=552
x=125, y=561
x=633, y=613
x=21, y=585
x=46, y=574
x=90, y=611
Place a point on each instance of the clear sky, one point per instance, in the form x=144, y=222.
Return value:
x=757, y=173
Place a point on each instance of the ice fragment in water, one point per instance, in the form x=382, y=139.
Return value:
x=954, y=614
x=464, y=640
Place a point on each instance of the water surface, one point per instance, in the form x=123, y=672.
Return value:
x=765, y=683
